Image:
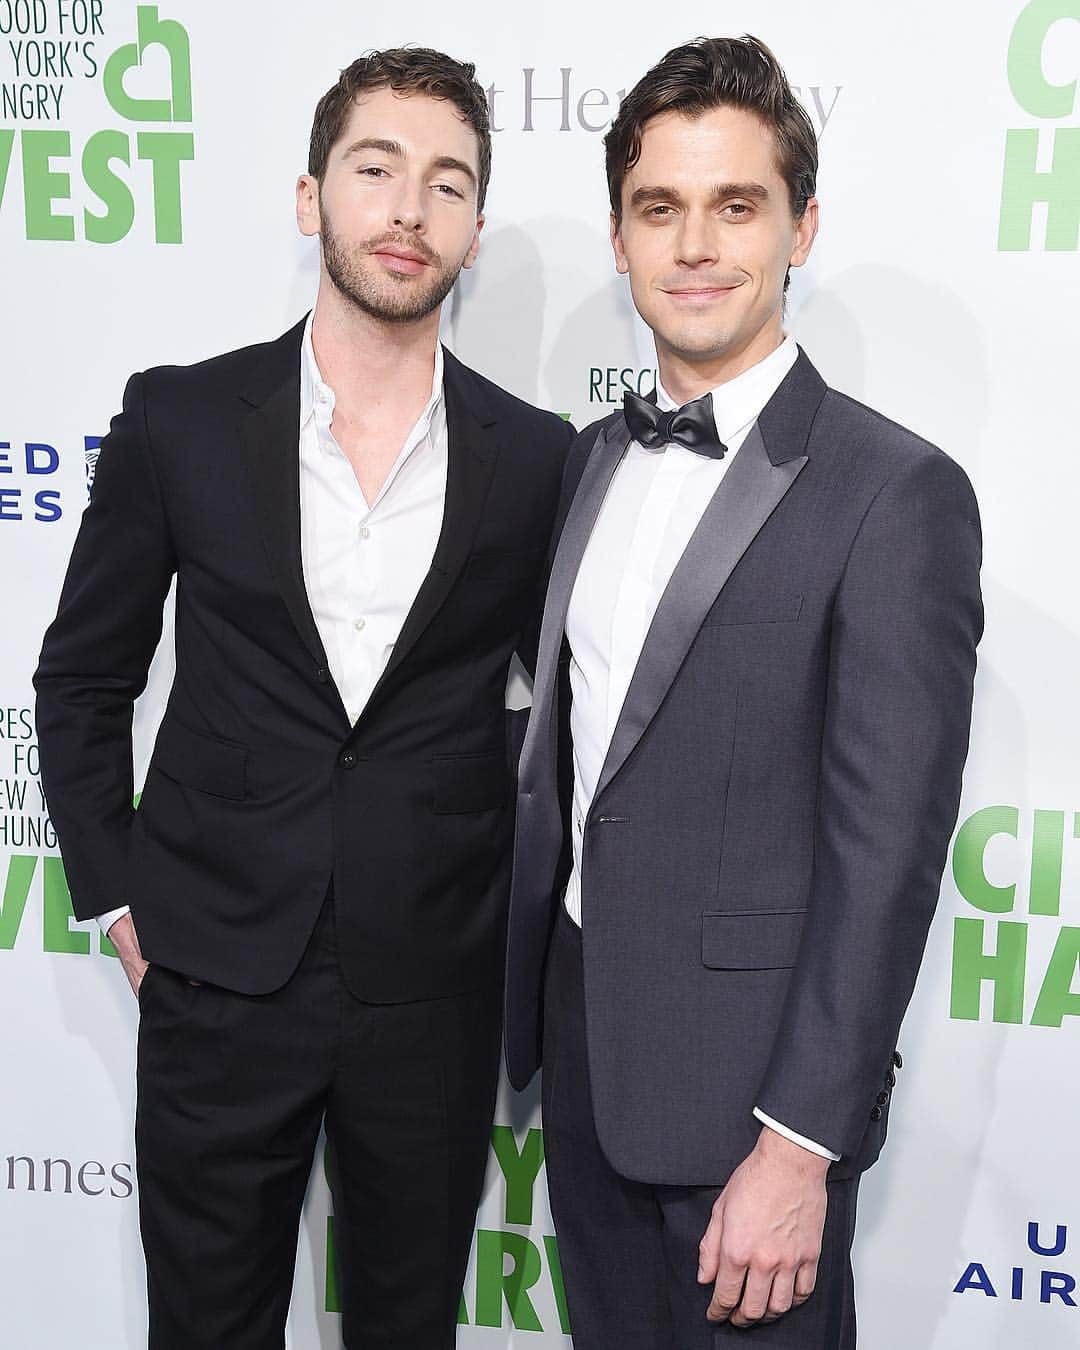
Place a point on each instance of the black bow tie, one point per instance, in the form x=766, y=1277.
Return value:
x=691, y=426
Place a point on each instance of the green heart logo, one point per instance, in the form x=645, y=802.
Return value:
x=173, y=37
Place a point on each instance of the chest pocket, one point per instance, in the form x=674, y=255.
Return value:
x=739, y=612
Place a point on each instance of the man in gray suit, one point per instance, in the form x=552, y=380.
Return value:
x=742, y=769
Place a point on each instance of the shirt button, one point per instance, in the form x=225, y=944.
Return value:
x=348, y=760
x=365, y=533
x=360, y=625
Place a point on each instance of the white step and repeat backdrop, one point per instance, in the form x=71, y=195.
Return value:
x=147, y=161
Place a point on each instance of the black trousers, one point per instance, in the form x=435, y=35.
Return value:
x=629, y=1250
x=232, y=1091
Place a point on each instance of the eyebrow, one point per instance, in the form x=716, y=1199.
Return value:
x=392, y=148
x=643, y=195
x=397, y=151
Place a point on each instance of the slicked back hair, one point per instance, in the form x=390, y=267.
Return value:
x=715, y=73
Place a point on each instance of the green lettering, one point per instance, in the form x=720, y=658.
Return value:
x=7, y=140
x=165, y=150
x=1056, y=997
x=969, y=850
x=42, y=186
x=20, y=873
x=1027, y=78
x=493, y=1286
x=173, y=37
x=520, y=1170
x=1022, y=185
x=332, y=1297
x=1047, y=848
x=1005, y=968
x=57, y=913
x=100, y=150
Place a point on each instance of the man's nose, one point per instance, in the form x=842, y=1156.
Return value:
x=407, y=208
x=697, y=239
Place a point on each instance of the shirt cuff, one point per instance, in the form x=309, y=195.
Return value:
x=799, y=1139
x=107, y=920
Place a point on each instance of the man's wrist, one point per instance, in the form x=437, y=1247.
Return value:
x=107, y=920
x=774, y=1147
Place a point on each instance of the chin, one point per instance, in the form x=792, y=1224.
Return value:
x=697, y=345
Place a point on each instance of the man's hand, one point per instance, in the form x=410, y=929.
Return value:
x=123, y=937
x=763, y=1242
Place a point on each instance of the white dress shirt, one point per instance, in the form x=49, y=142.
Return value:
x=653, y=504
x=363, y=565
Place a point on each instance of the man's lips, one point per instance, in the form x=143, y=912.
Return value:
x=403, y=261
x=691, y=295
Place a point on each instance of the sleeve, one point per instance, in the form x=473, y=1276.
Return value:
x=95, y=659
x=799, y=1139
x=106, y=921
x=906, y=622
x=530, y=633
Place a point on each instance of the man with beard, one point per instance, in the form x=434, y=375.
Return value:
x=309, y=901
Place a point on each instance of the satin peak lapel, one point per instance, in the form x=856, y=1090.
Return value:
x=608, y=450
x=750, y=491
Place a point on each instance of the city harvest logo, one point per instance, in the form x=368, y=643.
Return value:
x=1042, y=163
x=1021, y=1284
x=1008, y=956
x=53, y=48
x=28, y=472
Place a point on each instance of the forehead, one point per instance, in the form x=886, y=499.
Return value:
x=423, y=125
x=720, y=145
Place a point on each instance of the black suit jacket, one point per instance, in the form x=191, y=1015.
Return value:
x=259, y=790
x=763, y=852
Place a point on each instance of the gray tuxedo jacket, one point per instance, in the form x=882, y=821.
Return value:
x=764, y=849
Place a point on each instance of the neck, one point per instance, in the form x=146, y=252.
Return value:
x=688, y=376
x=369, y=360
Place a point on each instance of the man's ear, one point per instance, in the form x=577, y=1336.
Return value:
x=474, y=247
x=806, y=229
x=621, y=265
x=307, y=204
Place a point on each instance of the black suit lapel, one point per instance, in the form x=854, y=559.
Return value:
x=472, y=451
x=269, y=434
x=270, y=437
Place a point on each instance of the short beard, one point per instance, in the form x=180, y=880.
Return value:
x=362, y=290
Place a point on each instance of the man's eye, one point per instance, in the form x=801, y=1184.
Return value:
x=738, y=210
x=447, y=190
x=659, y=211
x=373, y=171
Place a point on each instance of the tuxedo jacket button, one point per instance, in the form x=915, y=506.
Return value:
x=876, y=1113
